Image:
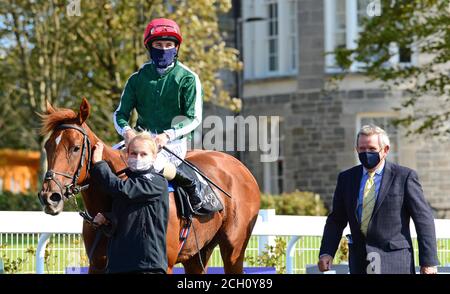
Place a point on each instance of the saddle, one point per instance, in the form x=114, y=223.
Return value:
x=210, y=201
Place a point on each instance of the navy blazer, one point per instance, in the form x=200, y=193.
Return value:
x=400, y=198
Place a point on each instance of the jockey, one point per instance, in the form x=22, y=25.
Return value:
x=167, y=96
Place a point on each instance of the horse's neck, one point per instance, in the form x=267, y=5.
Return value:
x=94, y=199
x=114, y=158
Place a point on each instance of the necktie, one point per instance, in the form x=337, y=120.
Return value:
x=368, y=202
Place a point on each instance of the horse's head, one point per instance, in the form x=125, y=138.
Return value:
x=68, y=155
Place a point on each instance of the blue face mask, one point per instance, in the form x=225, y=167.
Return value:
x=369, y=159
x=163, y=58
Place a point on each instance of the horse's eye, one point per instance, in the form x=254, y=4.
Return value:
x=76, y=148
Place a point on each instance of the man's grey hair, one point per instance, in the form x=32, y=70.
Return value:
x=369, y=130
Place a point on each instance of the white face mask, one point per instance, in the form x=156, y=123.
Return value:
x=140, y=164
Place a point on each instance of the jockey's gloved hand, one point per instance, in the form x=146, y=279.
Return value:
x=128, y=135
x=169, y=171
x=162, y=139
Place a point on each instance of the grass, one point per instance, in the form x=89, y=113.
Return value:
x=18, y=252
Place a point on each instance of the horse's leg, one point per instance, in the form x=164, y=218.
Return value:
x=232, y=247
x=193, y=264
x=98, y=263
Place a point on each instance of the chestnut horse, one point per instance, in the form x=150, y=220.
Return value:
x=68, y=153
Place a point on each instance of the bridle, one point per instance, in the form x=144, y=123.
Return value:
x=72, y=189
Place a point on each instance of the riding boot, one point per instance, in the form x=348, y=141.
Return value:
x=191, y=186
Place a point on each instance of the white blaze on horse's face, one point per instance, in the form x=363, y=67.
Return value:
x=57, y=140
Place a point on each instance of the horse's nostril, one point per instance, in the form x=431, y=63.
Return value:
x=55, y=197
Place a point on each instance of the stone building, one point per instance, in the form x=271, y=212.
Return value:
x=285, y=74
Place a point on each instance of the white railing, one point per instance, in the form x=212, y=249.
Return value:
x=268, y=225
x=25, y=222
x=302, y=226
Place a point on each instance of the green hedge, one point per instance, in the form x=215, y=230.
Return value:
x=30, y=202
x=295, y=203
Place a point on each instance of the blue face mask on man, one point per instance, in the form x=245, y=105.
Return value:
x=163, y=58
x=369, y=159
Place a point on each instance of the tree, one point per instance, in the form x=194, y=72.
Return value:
x=33, y=67
x=419, y=27
x=48, y=55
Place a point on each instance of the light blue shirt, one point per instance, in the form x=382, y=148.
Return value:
x=377, y=178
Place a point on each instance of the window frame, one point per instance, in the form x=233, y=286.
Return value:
x=273, y=175
x=352, y=30
x=255, y=41
x=273, y=35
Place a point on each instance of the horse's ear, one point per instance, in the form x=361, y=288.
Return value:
x=85, y=110
x=50, y=108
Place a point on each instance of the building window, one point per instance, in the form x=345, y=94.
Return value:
x=272, y=39
x=273, y=172
x=384, y=121
x=405, y=54
x=343, y=24
x=292, y=62
x=270, y=43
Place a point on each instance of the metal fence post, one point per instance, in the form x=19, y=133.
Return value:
x=40, y=252
x=290, y=254
x=264, y=241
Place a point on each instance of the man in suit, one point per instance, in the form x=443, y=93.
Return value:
x=377, y=199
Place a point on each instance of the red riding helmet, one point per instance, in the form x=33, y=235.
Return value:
x=162, y=29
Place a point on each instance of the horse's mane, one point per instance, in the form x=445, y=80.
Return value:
x=50, y=121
